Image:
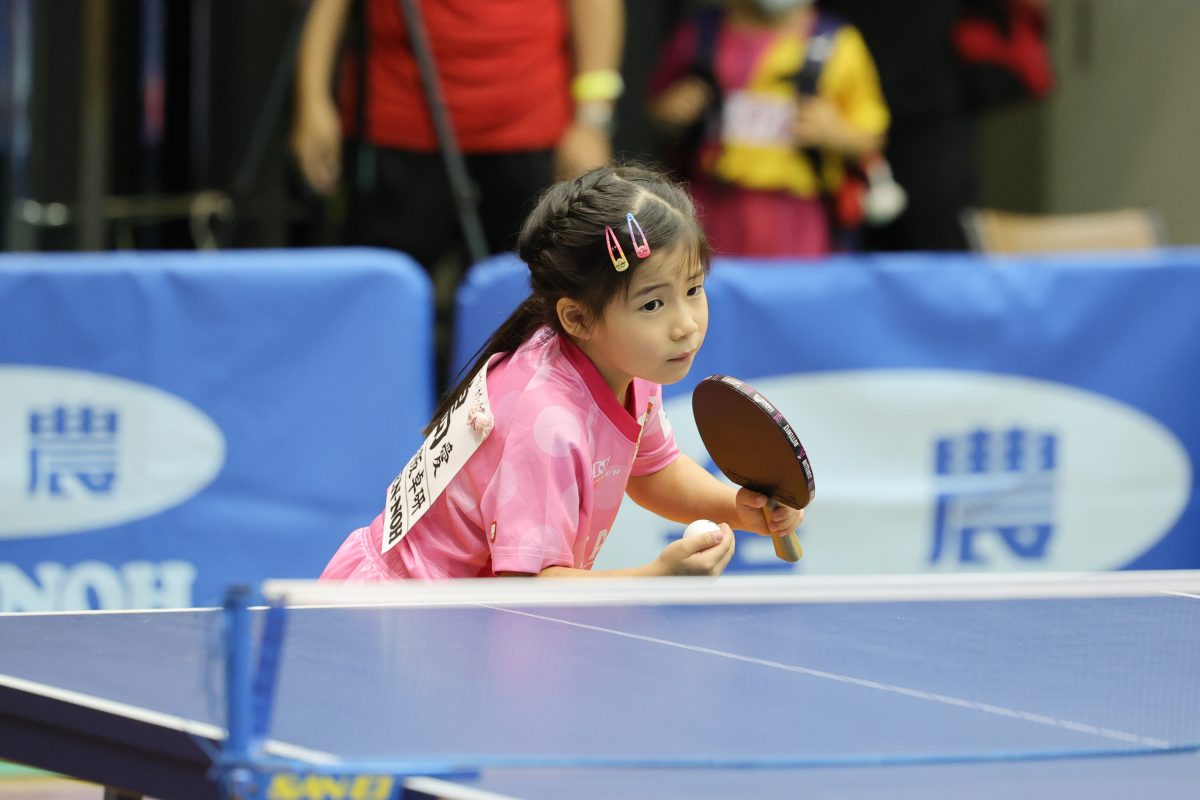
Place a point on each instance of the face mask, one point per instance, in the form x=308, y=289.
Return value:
x=775, y=7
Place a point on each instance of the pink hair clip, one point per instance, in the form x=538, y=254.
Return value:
x=641, y=250
x=614, y=250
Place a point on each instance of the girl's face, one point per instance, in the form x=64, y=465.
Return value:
x=655, y=330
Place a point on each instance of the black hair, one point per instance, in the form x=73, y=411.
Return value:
x=563, y=244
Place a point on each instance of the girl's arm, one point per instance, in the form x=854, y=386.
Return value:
x=683, y=491
x=678, y=97
x=696, y=555
x=681, y=104
x=820, y=123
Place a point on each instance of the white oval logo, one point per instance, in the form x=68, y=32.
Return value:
x=933, y=470
x=84, y=450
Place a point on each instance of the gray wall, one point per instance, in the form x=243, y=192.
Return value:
x=1120, y=128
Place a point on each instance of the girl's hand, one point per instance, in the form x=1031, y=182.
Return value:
x=749, y=511
x=697, y=555
x=682, y=103
x=818, y=124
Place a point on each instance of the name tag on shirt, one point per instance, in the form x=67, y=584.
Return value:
x=455, y=438
x=758, y=118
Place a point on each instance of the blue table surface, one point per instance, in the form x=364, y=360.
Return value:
x=917, y=697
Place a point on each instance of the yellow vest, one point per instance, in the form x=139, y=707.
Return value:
x=755, y=148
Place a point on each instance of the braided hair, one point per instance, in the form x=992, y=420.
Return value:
x=563, y=244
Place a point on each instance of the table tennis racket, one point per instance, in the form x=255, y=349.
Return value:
x=755, y=447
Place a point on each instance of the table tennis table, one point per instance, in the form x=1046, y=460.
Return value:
x=926, y=686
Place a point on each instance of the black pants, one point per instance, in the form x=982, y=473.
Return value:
x=402, y=201
x=405, y=202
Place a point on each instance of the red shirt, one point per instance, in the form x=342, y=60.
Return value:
x=504, y=69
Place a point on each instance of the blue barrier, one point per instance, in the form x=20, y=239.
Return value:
x=962, y=413
x=171, y=423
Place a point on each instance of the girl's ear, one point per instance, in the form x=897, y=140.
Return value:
x=572, y=317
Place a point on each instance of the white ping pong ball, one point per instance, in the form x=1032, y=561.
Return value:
x=700, y=527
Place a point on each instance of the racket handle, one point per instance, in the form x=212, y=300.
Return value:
x=787, y=545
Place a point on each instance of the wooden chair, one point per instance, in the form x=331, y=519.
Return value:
x=992, y=231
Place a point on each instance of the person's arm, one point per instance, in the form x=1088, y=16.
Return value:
x=681, y=104
x=820, y=123
x=684, y=491
x=850, y=115
x=597, y=39
x=316, y=138
x=696, y=555
x=677, y=96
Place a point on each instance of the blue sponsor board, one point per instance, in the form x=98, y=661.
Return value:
x=171, y=423
x=962, y=413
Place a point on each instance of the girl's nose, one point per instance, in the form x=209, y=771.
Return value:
x=685, y=325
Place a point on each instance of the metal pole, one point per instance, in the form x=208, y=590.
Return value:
x=93, y=144
x=456, y=168
x=265, y=126
x=18, y=234
x=235, y=756
x=200, y=92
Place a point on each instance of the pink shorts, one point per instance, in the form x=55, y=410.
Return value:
x=761, y=223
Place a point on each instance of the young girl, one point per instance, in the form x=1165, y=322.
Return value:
x=772, y=101
x=561, y=414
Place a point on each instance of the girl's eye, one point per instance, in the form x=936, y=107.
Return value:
x=653, y=305
x=696, y=290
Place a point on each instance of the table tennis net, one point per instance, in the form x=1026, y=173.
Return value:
x=739, y=672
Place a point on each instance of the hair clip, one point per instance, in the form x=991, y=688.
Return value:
x=641, y=250
x=618, y=257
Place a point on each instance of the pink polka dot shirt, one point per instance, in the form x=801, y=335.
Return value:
x=543, y=489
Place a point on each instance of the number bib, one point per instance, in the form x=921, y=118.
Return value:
x=758, y=119
x=455, y=438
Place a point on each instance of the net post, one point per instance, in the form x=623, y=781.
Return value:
x=235, y=756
